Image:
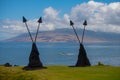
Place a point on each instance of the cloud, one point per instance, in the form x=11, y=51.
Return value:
x=50, y=13
x=52, y=20
x=100, y=17
x=9, y=28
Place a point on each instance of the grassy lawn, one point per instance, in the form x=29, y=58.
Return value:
x=61, y=73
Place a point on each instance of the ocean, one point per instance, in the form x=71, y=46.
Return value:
x=60, y=53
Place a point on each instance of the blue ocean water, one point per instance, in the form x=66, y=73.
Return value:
x=17, y=53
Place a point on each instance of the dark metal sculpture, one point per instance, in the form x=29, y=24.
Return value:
x=39, y=21
x=71, y=24
x=34, y=60
x=85, y=24
x=82, y=56
x=25, y=21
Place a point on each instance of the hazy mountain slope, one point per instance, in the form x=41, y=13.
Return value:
x=67, y=35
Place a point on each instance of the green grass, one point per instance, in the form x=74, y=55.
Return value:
x=61, y=73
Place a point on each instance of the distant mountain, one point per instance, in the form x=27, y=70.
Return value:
x=67, y=35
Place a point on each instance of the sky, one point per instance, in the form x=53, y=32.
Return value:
x=101, y=15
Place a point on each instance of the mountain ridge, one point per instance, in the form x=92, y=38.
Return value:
x=67, y=35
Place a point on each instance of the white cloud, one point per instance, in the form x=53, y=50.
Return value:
x=50, y=13
x=52, y=20
x=100, y=16
x=10, y=28
x=66, y=18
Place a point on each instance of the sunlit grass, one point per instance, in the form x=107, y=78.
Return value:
x=61, y=73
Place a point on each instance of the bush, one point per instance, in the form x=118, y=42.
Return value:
x=100, y=64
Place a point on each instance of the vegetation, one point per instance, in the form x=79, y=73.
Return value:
x=61, y=73
x=100, y=64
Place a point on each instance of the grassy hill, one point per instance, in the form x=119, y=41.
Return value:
x=61, y=73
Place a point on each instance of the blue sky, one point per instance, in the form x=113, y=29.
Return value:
x=102, y=15
x=14, y=9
